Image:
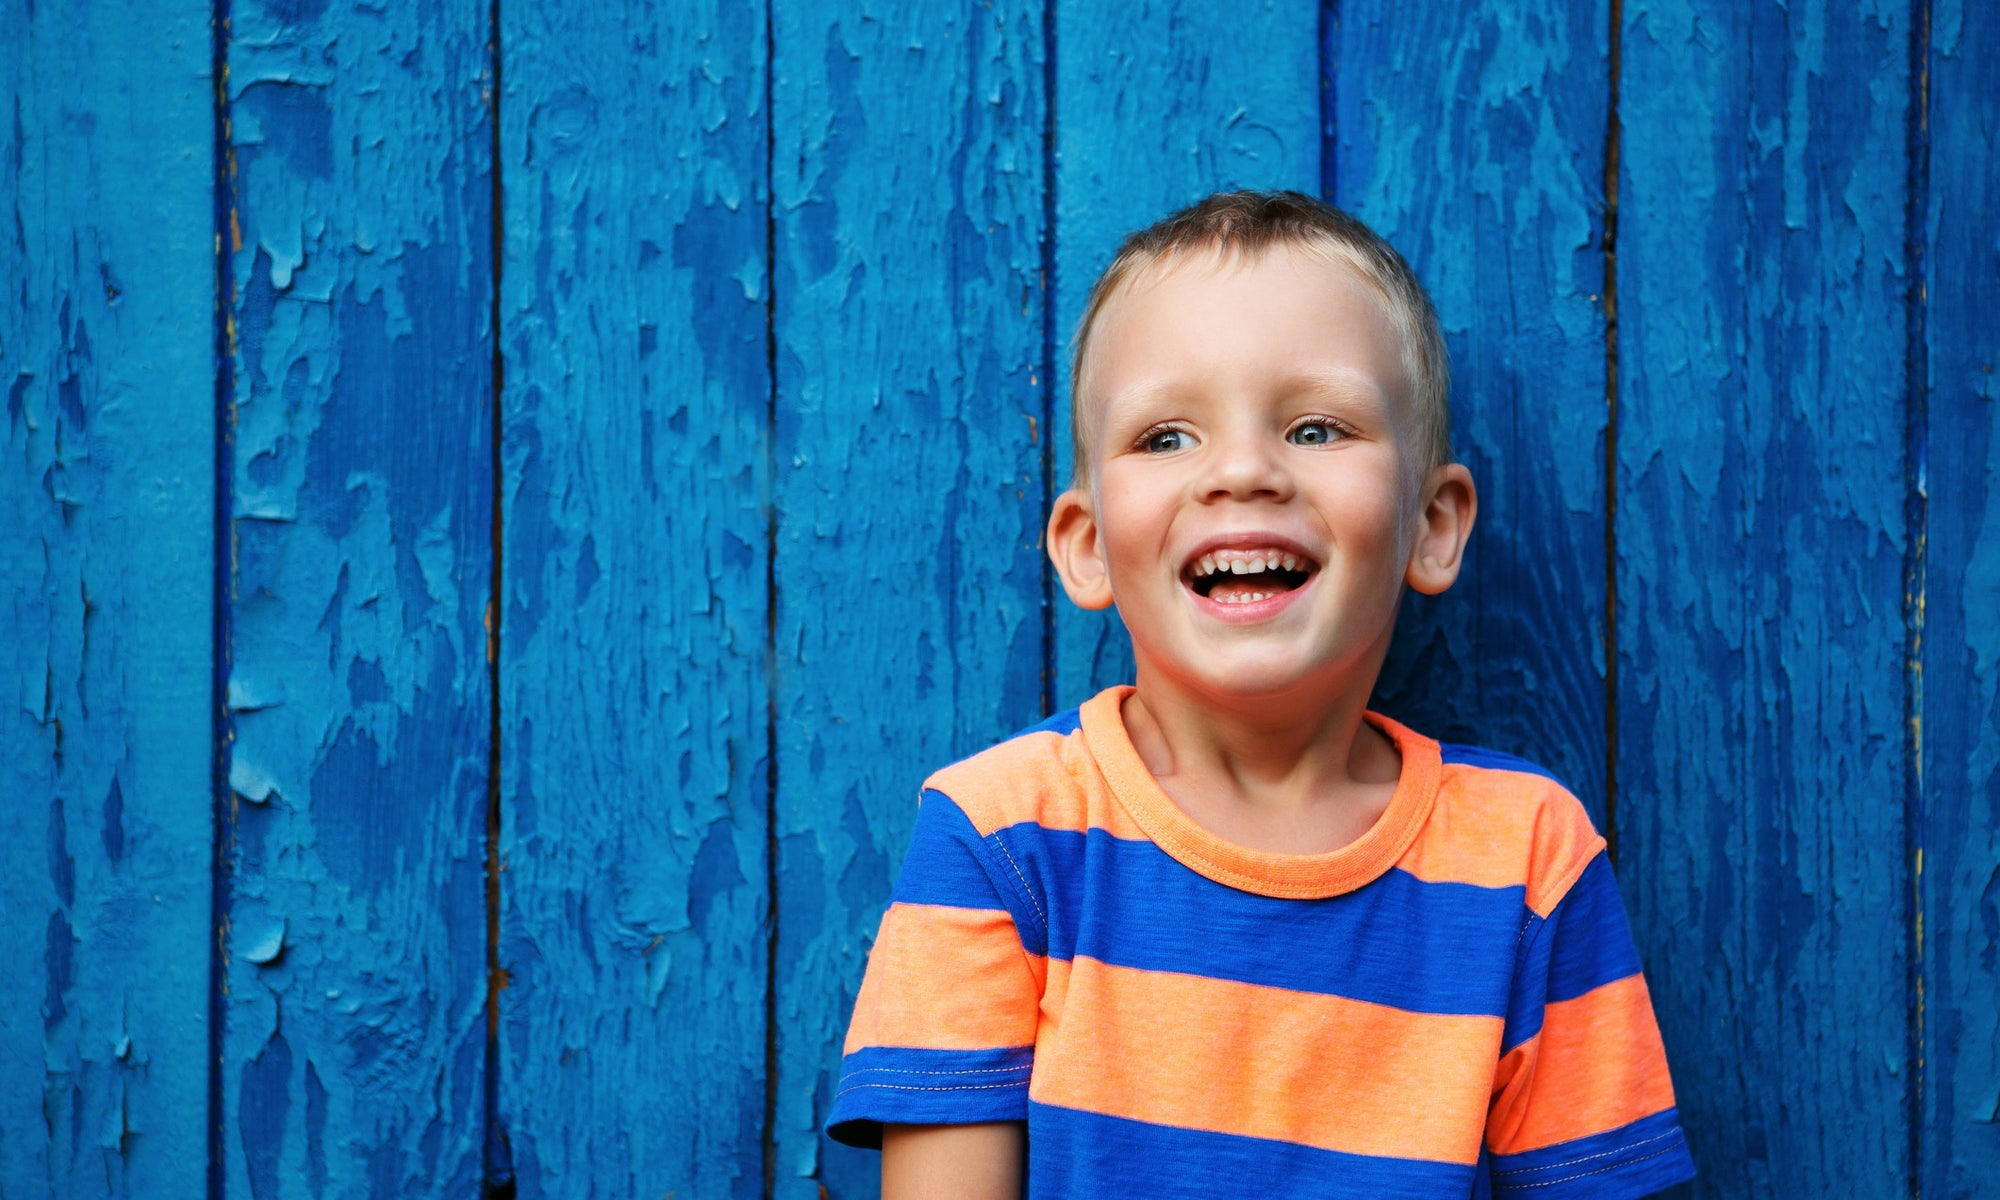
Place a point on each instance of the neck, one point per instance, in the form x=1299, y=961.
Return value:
x=1284, y=752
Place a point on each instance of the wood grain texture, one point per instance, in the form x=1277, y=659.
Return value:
x=633, y=699
x=107, y=550
x=1471, y=136
x=354, y=1056
x=1760, y=540
x=909, y=210
x=1959, y=729
x=779, y=288
x=1159, y=103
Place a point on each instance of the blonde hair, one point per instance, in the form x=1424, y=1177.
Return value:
x=1247, y=224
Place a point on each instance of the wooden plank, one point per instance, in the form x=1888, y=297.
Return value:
x=1158, y=103
x=354, y=1056
x=634, y=696
x=1760, y=539
x=1959, y=715
x=107, y=547
x=1472, y=136
x=910, y=395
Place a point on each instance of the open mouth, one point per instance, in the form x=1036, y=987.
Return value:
x=1247, y=576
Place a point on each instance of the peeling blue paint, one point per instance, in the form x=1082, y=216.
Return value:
x=258, y=937
x=758, y=362
x=1956, y=469
x=62, y=864
x=58, y=966
x=362, y=525
x=113, y=835
x=633, y=642
x=909, y=338
x=265, y=1108
x=106, y=536
x=1761, y=539
x=315, y=1131
x=713, y=871
x=290, y=118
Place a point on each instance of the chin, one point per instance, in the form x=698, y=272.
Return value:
x=1253, y=682
x=1280, y=671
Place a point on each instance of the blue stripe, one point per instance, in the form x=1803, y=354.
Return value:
x=1075, y=1153
x=927, y=1087
x=1421, y=947
x=1633, y=1160
x=1584, y=944
x=1531, y=987
x=1064, y=723
x=1492, y=760
x=1592, y=939
x=941, y=866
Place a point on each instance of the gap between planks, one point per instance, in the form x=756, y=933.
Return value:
x=1916, y=520
x=770, y=448
x=496, y=1165
x=1613, y=136
x=222, y=733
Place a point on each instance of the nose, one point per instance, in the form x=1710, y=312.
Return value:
x=1246, y=465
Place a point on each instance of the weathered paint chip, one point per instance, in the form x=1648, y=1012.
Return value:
x=250, y=781
x=260, y=940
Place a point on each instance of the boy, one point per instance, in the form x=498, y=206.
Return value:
x=1226, y=932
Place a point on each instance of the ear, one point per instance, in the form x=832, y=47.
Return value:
x=1077, y=551
x=1450, y=503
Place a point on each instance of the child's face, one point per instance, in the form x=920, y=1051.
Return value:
x=1252, y=510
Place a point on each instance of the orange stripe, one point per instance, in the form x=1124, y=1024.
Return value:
x=1263, y=1062
x=1597, y=1064
x=1043, y=777
x=1500, y=829
x=946, y=979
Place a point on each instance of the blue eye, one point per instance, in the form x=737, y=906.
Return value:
x=1166, y=441
x=1314, y=433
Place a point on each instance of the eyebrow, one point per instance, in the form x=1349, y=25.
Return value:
x=1342, y=385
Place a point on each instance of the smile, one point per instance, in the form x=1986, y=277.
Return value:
x=1247, y=575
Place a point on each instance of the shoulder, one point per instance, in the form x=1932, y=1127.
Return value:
x=1482, y=758
x=1020, y=777
x=1510, y=821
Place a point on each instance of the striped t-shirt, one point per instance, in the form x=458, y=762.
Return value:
x=1449, y=1006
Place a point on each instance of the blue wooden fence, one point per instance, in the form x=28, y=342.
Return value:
x=501, y=504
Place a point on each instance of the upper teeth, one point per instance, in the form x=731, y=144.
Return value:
x=1246, y=562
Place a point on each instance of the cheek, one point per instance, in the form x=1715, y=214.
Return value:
x=1133, y=520
x=1128, y=547
x=1364, y=512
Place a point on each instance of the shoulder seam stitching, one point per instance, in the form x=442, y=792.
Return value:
x=1570, y=876
x=1041, y=918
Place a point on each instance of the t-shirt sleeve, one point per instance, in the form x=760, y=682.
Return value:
x=944, y=1024
x=1583, y=1104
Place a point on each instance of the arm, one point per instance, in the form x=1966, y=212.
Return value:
x=943, y=1031
x=1583, y=1105
x=963, y=1162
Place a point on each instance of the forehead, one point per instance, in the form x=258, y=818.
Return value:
x=1232, y=320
